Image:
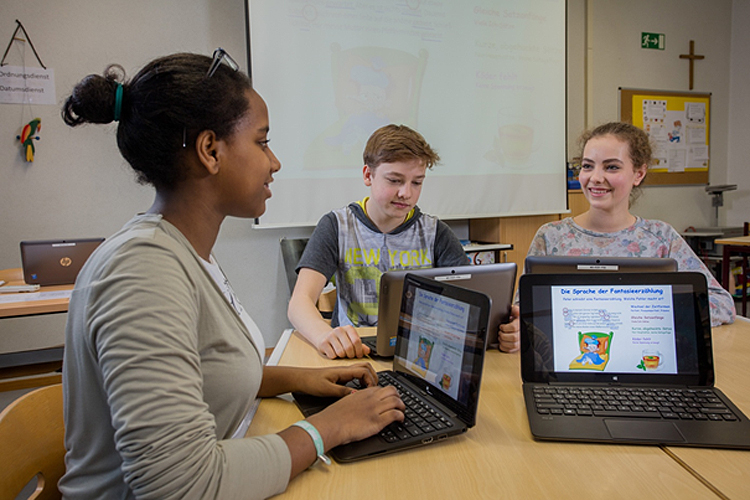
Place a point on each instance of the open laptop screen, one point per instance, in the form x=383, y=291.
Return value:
x=497, y=281
x=441, y=339
x=55, y=262
x=614, y=328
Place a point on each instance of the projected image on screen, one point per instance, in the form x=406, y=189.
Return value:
x=514, y=143
x=482, y=81
x=373, y=86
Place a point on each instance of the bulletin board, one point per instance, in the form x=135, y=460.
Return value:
x=678, y=125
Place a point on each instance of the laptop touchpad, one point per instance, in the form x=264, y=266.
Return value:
x=638, y=430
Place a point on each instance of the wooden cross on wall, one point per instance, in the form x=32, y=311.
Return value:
x=692, y=56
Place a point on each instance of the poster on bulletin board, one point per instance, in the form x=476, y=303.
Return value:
x=678, y=125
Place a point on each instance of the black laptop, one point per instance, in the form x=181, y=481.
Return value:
x=55, y=262
x=559, y=264
x=497, y=281
x=437, y=368
x=623, y=358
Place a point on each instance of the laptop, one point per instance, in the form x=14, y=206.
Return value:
x=558, y=264
x=623, y=358
x=55, y=262
x=497, y=281
x=437, y=367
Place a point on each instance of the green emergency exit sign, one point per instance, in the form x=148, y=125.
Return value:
x=652, y=41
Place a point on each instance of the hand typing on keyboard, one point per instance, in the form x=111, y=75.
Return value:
x=360, y=415
x=419, y=417
x=338, y=381
x=367, y=409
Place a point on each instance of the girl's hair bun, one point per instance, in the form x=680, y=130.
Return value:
x=93, y=98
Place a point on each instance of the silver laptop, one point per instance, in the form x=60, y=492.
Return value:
x=558, y=264
x=55, y=262
x=497, y=281
x=437, y=368
x=623, y=358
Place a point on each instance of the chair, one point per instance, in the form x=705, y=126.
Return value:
x=32, y=437
x=291, y=253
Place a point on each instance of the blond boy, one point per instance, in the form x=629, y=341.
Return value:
x=359, y=242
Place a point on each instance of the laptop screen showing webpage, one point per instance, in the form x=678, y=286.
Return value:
x=626, y=330
x=441, y=340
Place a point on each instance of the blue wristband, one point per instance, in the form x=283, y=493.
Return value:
x=320, y=450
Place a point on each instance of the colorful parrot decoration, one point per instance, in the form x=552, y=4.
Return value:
x=27, y=137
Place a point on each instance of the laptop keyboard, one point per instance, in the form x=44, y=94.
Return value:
x=420, y=417
x=663, y=403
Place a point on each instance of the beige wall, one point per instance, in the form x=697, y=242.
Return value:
x=737, y=204
x=613, y=59
x=80, y=186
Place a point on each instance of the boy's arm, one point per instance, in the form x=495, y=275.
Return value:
x=342, y=342
x=302, y=312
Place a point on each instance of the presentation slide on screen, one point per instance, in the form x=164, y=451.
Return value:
x=622, y=329
x=483, y=81
x=436, y=342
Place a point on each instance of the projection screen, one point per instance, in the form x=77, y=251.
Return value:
x=483, y=81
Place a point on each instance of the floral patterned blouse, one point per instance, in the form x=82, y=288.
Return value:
x=645, y=238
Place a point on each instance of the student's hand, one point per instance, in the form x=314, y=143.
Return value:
x=330, y=381
x=509, y=334
x=342, y=342
x=359, y=415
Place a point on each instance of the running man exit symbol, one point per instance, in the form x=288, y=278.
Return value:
x=652, y=41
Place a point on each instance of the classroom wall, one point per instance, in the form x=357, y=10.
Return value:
x=615, y=59
x=737, y=203
x=79, y=185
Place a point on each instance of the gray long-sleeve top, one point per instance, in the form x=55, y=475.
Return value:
x=158, y=372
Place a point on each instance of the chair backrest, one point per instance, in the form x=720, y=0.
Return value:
x=32, y=436
x=291, y=253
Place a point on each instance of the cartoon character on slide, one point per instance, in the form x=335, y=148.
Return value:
x=372, y=100
x=591, y=356
x=594, y=351
x=424, y=352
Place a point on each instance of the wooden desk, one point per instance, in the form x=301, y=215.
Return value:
x=21, y=368
x=726, y=470
x=738, y=245
x=30, y=307
x=475, y=251
x=498, y=458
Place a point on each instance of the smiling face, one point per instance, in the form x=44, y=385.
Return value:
x=608, y=175
x=394, y=191
x=248, y=163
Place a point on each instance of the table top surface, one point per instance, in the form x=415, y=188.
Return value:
x=498, y=458
x=478, y=247
x=726, y=470
x=740, y=241
x=701, y=234
x=27, y=304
